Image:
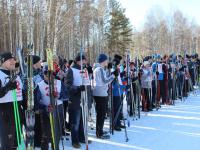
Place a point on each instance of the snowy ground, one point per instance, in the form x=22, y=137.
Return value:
x=170, y=128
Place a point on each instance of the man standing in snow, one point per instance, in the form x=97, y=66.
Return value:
x=73, y=82
x=7, y=84
x=146, y=80
x=100, y=93
x=42, y=97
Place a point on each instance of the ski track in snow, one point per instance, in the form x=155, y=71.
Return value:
x=170, y=128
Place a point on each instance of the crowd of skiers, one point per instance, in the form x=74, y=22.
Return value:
x=149, y=83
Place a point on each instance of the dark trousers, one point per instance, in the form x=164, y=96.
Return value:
x=8, y=139
x=153, y=93
x=117, y=104
x=161, y=90
x=166, y=92
x=101, y=109
x=46, y=128
x=170, y=88
x=146, y=103
x=186, y=88
x=181, y=81
x=192, y=75
x=77, y=131
x=38, y=130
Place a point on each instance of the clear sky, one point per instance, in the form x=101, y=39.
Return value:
x=137, y=10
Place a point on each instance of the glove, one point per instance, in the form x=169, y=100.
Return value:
x=11, y=85
x=82, y=88
x=50, y=108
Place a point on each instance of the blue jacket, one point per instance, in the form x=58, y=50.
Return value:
x=117, y=89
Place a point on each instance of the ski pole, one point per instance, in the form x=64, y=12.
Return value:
x=84, y=102
x=20, y=139
x=126, y=135
x=15, y=115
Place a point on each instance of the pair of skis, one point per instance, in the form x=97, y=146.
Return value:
x=51, y=87
x=29, y=113
x=111, y=110
x=130, y=95
x=84, y=99
x=53, y=102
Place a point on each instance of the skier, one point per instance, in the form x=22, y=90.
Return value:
x=66, y=124
x=165, y=67
x=160, y=82
x=154, y=82
x=7, y=84
x=146, y=87
x=42, y=97
x=73, y=82
x=135, y=88
x=118, y=89
x=100, y=93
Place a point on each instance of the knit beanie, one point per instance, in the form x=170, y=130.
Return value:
x=102, y=58
x=5, y=56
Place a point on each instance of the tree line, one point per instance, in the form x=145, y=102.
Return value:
x=167, y=34
x=97, y=26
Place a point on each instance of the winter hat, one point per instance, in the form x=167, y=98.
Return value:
x=5, y=56
x=102, y=58
x=147, y=58
x=188, y=56
x=36, y=59
x=78, y=57
x=145, y=63
x=132, y=63
x=118, y=57
x=116, y=61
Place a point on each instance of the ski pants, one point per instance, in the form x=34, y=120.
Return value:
x=146, y=99
x=77, y=131
x=38, y=131
x=170, y=88
x=153, y=93
x=101, y=109
x=181, y=81
x=46, y=128
x=8, y=139
x=117, y=104
x=160, y=90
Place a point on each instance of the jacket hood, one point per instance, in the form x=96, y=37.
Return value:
x=96, y=65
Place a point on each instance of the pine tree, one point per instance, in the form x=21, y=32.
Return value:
x=119, y=32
